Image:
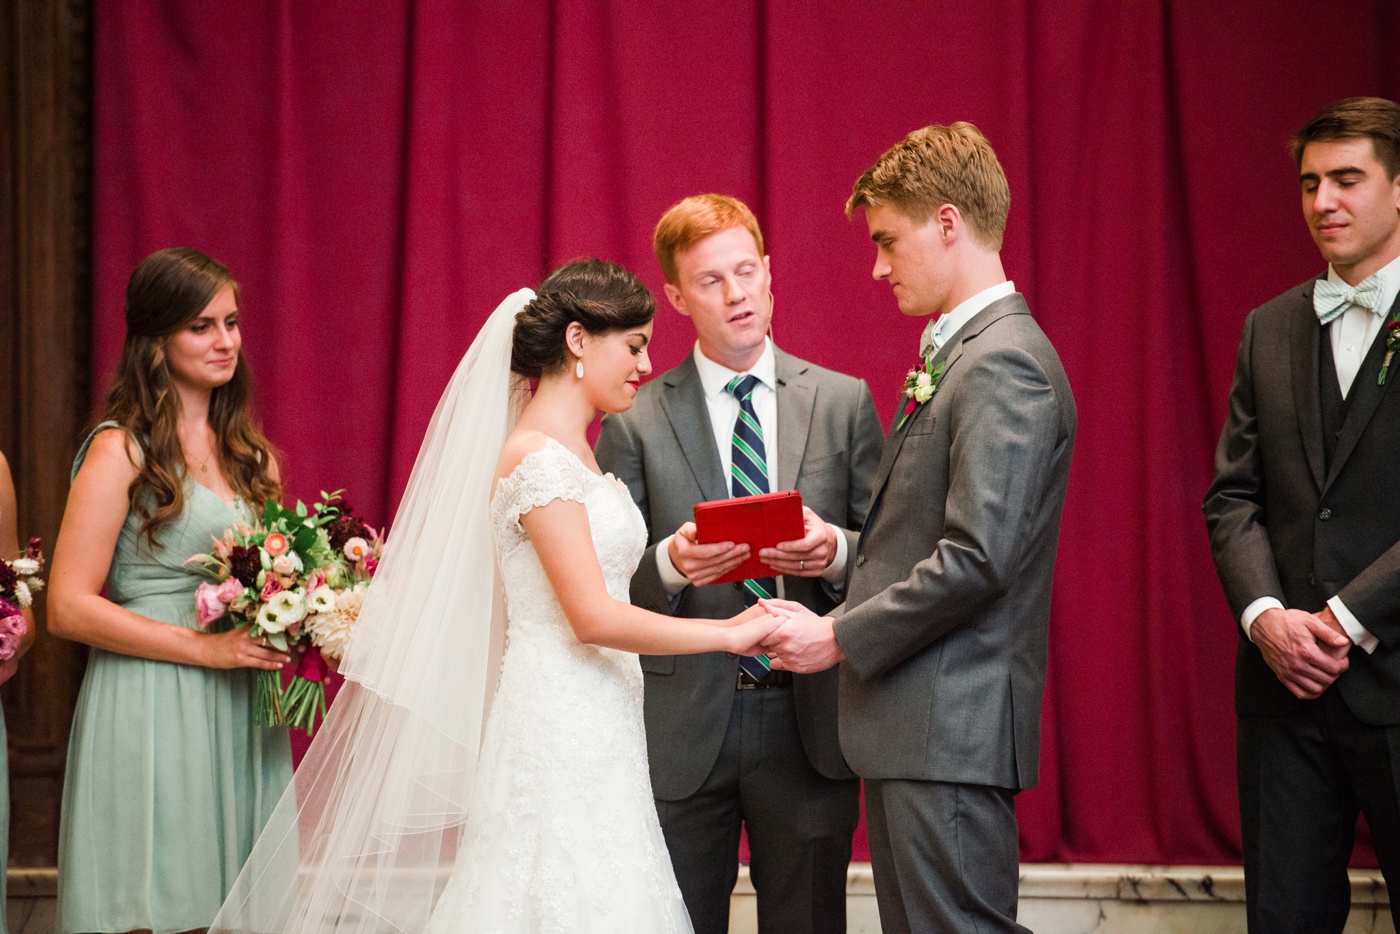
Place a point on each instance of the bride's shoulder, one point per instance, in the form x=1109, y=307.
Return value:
x=528, y=447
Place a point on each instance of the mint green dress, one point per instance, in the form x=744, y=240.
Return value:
x=168, y=780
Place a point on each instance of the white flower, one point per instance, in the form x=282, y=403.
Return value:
x=25, y=567
x=356, y=549
x=922, y=394
x=22, y=595
x=331, y=629
x=36, y=584
x=282, y=564
x=285, y=607
x=923, y=380
x=321, y=599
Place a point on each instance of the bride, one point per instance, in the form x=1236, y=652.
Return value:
x=473, y=776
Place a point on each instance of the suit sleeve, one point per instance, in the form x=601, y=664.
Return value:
x=1373, y=597
x=1234, y=505
x=619, y=452
x=1004, y=427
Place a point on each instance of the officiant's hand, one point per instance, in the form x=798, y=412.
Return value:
x=807, y=556
x=804, y=643
x=703, y=564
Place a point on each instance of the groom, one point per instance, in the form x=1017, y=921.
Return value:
x=942, y=637
x=727, y=749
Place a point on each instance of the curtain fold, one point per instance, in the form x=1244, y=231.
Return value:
x=379, y=175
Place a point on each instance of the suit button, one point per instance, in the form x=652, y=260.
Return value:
x=1312, y=579
x=860, y=560
x=1325, y=514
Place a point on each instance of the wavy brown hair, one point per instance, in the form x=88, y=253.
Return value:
x=167, y=291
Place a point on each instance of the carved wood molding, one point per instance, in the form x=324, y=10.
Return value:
x=45, y=325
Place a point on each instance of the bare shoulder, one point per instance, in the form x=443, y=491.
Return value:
x=519, y=445
x=112, y=454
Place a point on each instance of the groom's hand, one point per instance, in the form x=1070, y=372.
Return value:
x=1304, y=652
x=807, y=556
x=804, y=643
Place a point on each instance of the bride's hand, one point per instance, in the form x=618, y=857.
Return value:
x=752, y=613
x=745, y=638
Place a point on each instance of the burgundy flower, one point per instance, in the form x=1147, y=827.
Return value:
x=345, y=527
x=245, y=564
x=35, y=549
x=7, y=579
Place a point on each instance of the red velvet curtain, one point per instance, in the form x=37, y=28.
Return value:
x=379, y=174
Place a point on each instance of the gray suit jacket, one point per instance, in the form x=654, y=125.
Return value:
x=1285, y=524
x=947, y=610
x=663, y=448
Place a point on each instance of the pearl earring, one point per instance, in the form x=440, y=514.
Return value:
x=578, y=368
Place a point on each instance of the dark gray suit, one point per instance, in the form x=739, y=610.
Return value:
x=1304, y=507
x=945, y=625
x=698, y=727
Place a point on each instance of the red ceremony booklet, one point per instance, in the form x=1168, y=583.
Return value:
x=760, y=521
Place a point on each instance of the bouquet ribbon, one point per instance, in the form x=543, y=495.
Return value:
x=312, y=666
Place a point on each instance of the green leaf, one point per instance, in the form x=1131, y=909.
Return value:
x=278, y=640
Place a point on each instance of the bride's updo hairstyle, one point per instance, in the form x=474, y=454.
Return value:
x=599, y=295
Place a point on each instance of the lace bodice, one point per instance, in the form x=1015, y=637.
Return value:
x=555, y=473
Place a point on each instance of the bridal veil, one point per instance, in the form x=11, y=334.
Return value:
x=364, y=837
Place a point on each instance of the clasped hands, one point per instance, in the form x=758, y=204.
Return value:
x=793, y=637
x=807, y=556
x=1307, y=651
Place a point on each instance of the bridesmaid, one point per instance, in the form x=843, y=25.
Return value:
x=168, y=780
x=9, y=548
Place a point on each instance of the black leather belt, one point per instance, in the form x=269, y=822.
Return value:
x=774, y=679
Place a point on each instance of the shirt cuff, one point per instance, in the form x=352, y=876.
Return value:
x=1255, y=609
x=672, y=580
x=835, y=572
x=1358, y=633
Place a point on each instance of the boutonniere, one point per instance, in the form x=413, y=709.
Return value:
x=920, y=383
x=1392, y=344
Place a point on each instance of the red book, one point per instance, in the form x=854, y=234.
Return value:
x=759, y=521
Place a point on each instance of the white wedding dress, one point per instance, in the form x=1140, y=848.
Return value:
x=562, y=833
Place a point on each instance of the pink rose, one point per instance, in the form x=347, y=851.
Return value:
x=9, y=645
x=315, y=582
x=230, y=590
x=15, y=625
x=269, y=589
x=207, y=605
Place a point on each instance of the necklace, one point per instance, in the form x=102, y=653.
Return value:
x=201, y=462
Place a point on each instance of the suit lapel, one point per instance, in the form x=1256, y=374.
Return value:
x=950, y=353
x=1307, y=402
x=1366, y=395
x=685, y=408
x=797, y=398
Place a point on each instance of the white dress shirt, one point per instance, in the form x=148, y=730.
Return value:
x=724, y=411
x=941, y=329
x=1353, y=333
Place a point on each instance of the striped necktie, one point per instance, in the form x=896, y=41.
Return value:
x=748, y=476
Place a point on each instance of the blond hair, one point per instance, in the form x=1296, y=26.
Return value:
x=940, y=165
x=692, y=219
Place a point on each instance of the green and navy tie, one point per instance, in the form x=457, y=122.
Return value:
x=748, y=476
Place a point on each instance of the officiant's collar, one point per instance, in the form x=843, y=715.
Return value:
x=715, y=376
x=940, y=330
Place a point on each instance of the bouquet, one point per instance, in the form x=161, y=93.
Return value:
x=297, y=578
x=19, y=582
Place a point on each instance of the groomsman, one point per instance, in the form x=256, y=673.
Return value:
x=1305, y=531
x=731, y=744
x=942, y=638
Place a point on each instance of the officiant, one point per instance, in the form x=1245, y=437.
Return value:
x=732, y=744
